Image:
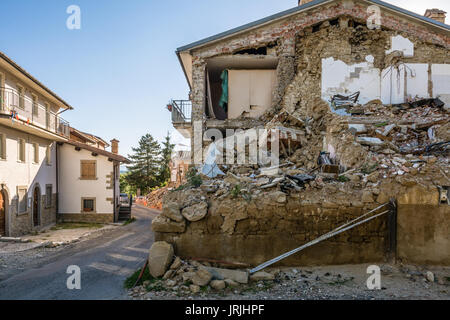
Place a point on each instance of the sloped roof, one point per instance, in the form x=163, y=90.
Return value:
x=298, y=9
x=110, y=155
x=29, y=76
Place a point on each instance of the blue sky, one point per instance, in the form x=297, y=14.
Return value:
x=120, y=70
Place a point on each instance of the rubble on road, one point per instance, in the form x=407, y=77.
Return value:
x=328, y=282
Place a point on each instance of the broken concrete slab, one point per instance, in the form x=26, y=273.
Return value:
x=222, y=274
x=368, y=141
x=261, y=275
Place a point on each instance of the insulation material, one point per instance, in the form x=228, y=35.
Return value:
x=250, y=92
x=399, y=43
x=340, y=78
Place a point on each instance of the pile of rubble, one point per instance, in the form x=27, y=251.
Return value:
x=154, y=200
x=170, y=273
x=408, y=144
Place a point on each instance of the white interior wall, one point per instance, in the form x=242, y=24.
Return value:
x=388, y=85
x=250, y=91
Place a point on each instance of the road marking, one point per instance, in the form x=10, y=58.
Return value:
x=123, y=257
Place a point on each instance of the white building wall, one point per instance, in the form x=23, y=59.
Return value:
x=391, y=85
x=72, y=189
x=14, y=173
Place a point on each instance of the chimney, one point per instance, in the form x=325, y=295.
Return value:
x=302, y=2
x=115, y=146
x=436, y=14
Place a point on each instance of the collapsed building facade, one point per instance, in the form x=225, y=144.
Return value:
x=360, y=90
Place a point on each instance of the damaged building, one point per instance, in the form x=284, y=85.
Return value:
x=360, y=90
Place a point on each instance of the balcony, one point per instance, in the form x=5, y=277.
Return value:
x=181, y=116
x=181, y=111
x=34, y=115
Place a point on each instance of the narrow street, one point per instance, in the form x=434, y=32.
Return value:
x=105, y=262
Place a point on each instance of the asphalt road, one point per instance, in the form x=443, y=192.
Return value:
x=105, y=262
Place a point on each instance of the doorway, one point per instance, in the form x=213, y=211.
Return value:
x=2, y=214
x=36, y=206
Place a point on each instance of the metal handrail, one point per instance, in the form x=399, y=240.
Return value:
x=11, y=101
x=181, y=111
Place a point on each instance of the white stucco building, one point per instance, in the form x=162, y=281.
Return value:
x=30, y=127
x=49, y=171
x=89, y=179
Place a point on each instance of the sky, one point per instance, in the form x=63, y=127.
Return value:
x=120, y=70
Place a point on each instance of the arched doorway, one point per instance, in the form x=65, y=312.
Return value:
x=2, y=214
x=36, y=207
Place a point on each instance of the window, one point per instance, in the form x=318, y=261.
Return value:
x=48, y=155
x=36, y=152
x=88, y=170
x=48, y=195
x=2, y=146
x=21, y=150
x=21, y=92
x=88, y=205
x=22, y=200
x=35, y=106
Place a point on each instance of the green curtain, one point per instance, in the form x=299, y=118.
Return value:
x=223, y=103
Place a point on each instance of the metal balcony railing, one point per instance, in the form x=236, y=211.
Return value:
x=181, y=111
x=11, y=101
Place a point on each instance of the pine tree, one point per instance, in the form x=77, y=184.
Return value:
x=145, y=164
x=166, y=155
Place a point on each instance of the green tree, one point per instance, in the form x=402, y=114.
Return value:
x=166, y=155
x=143, y=173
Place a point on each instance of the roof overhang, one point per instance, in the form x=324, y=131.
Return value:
x=184, y=52
x=97, y=151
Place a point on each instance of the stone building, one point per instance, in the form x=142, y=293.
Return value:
x=238, y=77
x=285, y=69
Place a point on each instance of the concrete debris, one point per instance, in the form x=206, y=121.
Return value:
x=218, y=284
x=171, y=210
x=196, y=212
x=430, y=277
x=258, y=276
x=202, y=278
x=160, y=258
x=234, y=275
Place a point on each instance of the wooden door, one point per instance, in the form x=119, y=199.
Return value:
x=36, y=207
x=2, y=215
